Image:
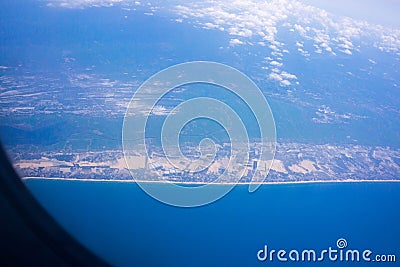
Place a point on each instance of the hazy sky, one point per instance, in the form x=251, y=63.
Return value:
x=384, y=12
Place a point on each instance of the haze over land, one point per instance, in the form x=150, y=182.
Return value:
x=66, y=78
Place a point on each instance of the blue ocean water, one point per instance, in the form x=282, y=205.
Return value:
x=126, y=227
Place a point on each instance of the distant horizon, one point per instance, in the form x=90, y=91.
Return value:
x=384, y=13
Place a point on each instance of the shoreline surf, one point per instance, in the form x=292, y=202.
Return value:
x=220, y=183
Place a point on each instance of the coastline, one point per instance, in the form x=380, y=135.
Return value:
x=202, y=183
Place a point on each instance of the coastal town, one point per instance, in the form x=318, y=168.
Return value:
x=293, y=162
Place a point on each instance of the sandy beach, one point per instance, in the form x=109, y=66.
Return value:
x=221, y=183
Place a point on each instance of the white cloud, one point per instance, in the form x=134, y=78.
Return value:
x=84, y=3
x=326, y=115
x=161, y=111
x=210, y=25
x=276, y=64
x=275, y=76
x=274, y=47
x=246, y=17
x=300, y=29
x=276, y=70
x=240, y=32
x=254, y=22
x=285, y=83
x=347, y=51
x=289, y=76
x=234, y=42
x=303, y=52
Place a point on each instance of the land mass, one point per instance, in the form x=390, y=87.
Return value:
x=294, y=162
